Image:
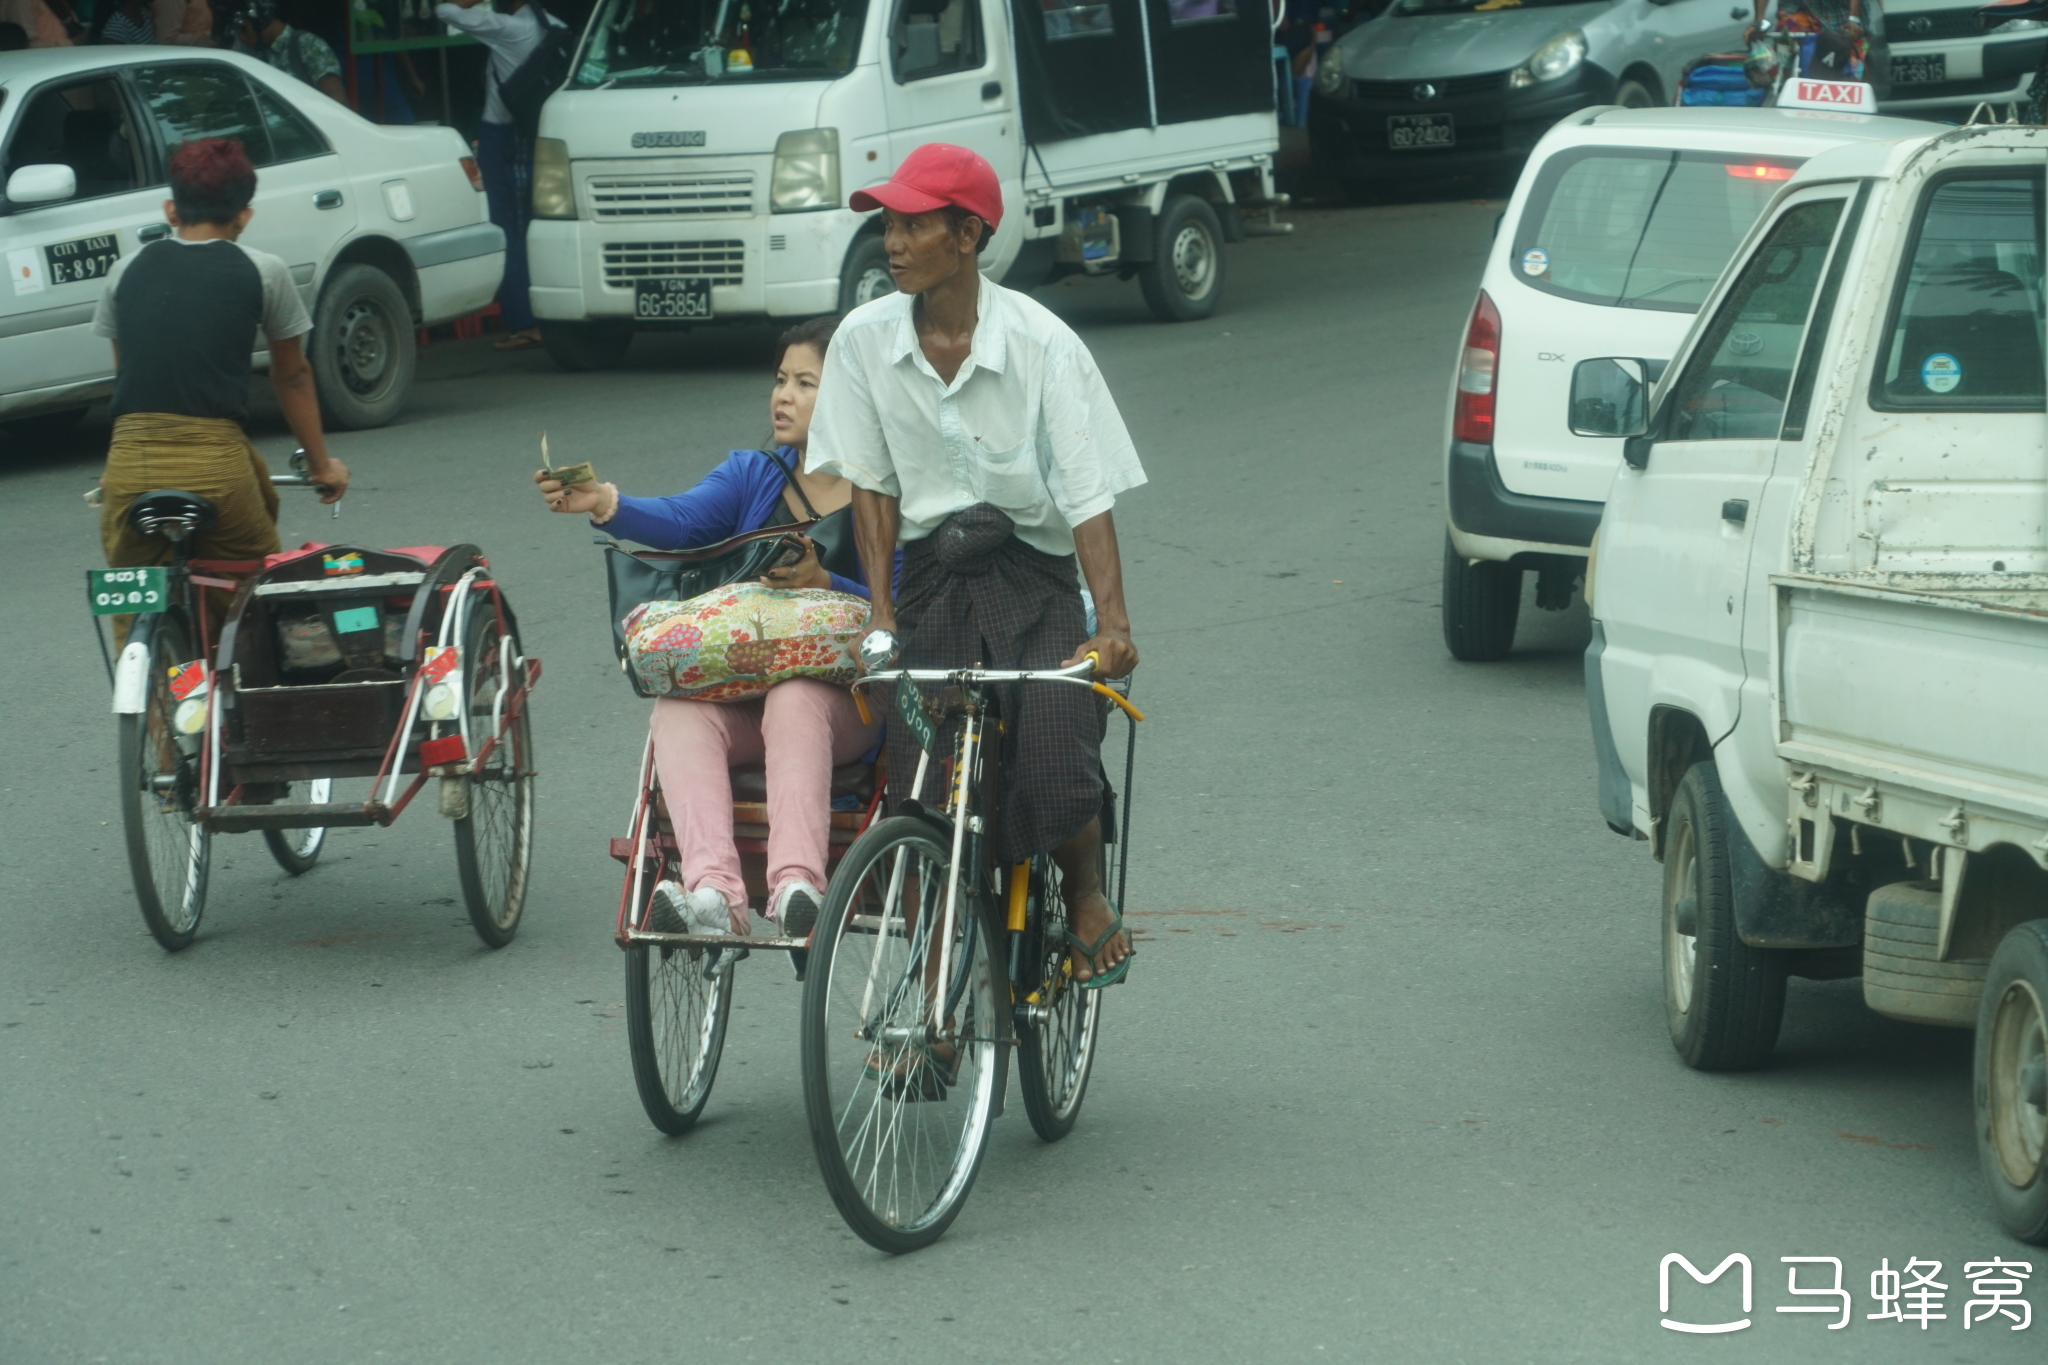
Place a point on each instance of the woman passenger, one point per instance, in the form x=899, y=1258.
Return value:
x=803, y=727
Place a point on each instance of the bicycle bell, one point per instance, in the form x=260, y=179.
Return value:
x=877, y=650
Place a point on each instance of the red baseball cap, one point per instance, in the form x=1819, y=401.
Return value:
x=935, y=176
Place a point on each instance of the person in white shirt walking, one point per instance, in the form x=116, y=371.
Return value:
x=511, y=32
x=977, y=432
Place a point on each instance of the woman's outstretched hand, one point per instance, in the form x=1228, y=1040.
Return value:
x=582, y=499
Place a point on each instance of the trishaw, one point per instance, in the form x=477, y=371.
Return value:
x=332, y=665
x=902, y=1078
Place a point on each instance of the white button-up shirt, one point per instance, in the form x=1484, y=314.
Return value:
x=1027, y=424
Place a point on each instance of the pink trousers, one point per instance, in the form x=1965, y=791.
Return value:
x=798, y=733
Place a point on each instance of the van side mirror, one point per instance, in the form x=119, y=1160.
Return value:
x=41, y=185
x=1608, y=397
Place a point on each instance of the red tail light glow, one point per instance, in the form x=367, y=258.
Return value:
x=1760, y=171
x=476, y=177
x=1472, y=418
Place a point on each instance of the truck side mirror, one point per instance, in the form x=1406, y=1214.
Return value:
x=41, y=185
x=1608, y=397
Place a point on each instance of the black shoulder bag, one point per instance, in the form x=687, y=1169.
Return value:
x=544, y=71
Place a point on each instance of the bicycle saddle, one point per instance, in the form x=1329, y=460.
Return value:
x=172, y=513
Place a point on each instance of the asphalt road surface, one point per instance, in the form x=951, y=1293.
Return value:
x=1390, y=1080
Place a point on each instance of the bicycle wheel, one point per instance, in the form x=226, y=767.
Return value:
x=900, y=1111
x=1056, y=1045
x=296, y=850
x=494, y=839
x=169, y=853
x=677, y=1003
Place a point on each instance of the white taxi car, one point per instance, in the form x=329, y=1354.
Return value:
x=1620, y=225
x=385, y=229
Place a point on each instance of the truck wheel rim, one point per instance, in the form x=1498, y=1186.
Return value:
x=1194, y=261
x=365, y=346
x=1681, y=951
x=2019, y=1128
x=873, y=283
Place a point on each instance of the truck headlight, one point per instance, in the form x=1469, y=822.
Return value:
x=806, y=174
x=554, y=194
x=1560, y=56
x=1330, y=77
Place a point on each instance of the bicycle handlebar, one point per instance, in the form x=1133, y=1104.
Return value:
x=1077, y=674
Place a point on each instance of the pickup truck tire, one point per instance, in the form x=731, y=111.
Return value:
x=2012, y=1081
x=866, y=276
x=580, y=347
x=1184, y=278
x=362, y=348
x=1481, y=604
x=1723, y=999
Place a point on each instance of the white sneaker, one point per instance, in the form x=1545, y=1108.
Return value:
x=795, y=908
x=703, y=911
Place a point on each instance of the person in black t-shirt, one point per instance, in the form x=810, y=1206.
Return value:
x=183, y=314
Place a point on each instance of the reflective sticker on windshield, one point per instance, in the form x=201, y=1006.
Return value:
x=1535, y=261
x=1941, y=372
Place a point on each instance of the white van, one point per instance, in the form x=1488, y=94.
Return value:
x=1618, y=228
x=698, y=162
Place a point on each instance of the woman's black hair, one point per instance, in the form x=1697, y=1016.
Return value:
x=815, y=333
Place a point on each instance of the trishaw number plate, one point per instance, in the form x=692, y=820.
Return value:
x=124, y=592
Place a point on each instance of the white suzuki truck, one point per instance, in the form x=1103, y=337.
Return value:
x=698, y=162
x=1820, y=654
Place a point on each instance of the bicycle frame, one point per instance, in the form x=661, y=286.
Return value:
x=966, y=827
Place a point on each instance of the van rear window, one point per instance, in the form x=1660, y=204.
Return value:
x=1633, y=227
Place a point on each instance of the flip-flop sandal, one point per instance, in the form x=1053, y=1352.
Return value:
x=517, y=341
x=1115, y=974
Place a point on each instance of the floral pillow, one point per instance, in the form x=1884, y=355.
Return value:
x=736, y=642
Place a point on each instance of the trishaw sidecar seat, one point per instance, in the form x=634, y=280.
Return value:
x=171, y=512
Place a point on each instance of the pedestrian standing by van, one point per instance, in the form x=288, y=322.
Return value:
x=184, y=314
x=511, y=32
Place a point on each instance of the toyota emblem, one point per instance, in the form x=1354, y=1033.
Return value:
x=1423, y=93
x=1919, y=23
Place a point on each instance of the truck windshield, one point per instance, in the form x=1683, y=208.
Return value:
x=1632, y=227
x=675, y=42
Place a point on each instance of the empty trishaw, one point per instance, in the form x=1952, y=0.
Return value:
x=335, y=663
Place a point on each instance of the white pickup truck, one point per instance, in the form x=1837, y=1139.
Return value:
x=1820, y=653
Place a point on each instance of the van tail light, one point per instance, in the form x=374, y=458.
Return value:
x=1472, y=418
x=476, y=177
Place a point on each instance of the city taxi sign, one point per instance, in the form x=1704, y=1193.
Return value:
x=1846, y=97
x=124, y=592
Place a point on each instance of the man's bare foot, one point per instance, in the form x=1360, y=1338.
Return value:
x=1088, y=917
